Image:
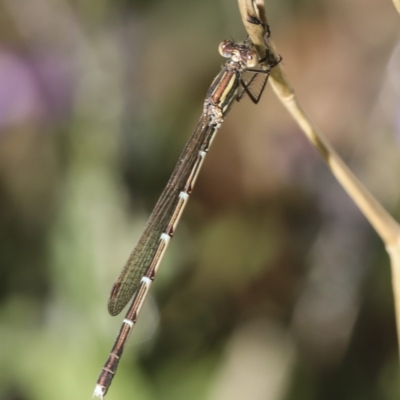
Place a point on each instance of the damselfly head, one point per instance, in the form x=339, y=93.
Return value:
x=249, y=57
x=238, y=53
x=226, y=48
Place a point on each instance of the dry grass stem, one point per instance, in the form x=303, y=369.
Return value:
x=256, y=32
x=394, y=253
x=397, y=5
x=386, y=227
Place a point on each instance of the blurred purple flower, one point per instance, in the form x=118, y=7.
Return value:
x=33, y=88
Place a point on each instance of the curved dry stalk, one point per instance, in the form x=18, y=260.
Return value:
x=255, y=31
x=383, y=223
x=397, y=5
x=394, y=254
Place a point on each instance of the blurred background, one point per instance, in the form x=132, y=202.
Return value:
x=275, y=286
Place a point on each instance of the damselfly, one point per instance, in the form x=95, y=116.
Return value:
x=140, y=270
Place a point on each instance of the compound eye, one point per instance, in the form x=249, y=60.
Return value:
x=226, y=48
x=250, y=58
